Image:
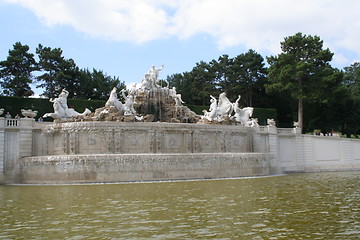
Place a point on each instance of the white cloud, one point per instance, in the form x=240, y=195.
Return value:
x=257, y=24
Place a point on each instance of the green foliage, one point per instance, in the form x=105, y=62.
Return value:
x=15, y=104
x=303, y=69
x=58, y=72
x=352, y=79
x=16, y=71
x=96, y=85
x=262, y=114
x=198, y=109
x=300, y=74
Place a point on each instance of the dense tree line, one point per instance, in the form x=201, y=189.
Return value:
x=299, y=82
x=52, y=72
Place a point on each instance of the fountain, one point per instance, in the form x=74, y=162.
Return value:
x=150, y=136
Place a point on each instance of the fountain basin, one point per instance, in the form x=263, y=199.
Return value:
x=138, y=137
x=99, y=168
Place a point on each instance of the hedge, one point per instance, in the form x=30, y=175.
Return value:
x=13, y=105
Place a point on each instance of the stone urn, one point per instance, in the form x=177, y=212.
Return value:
x=28, y=113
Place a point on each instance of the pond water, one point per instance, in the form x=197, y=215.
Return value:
x=298, y=206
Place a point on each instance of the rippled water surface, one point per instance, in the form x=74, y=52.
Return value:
x=301, y=206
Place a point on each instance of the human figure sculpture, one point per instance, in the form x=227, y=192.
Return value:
x=61, y=109
x=129, y=104
x=210, y=115
x=176, y=97
x=224, y=108
x=114, y=101
x=150, y=79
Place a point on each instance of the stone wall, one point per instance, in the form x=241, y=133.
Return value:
x=122, y=137
x=307, y=153
x=139, y=167
x=29, y=149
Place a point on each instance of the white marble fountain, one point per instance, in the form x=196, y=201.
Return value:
x=149, y=136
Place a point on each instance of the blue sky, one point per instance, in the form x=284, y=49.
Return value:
x=125, y=37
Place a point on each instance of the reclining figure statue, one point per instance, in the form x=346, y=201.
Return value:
x=61, y=109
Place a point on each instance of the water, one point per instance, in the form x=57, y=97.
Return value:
x=301, y=206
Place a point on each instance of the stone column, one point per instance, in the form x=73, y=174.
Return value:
x=273, y=148
x=26, y=137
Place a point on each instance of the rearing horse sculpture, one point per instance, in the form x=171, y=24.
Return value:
x=224, y=108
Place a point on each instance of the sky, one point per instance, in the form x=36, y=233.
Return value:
x=124, y=38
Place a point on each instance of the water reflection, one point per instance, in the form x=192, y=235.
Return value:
x=302, y=206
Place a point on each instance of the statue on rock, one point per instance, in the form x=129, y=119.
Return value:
x=243, y=115
x=210, y=115
x=129, y=103
x=176, y=97
x=61, y=109
x=114, y=101
x=220, y=112
x=224, y=108
x=150, y=80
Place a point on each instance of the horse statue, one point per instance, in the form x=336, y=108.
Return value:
x=224, y=108
x=211, y=114
x=243, y=115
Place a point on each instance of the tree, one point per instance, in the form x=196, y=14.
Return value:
x=222, y=70
x=351, y=82
x=303, y=69
x=16, y=71
x=249, y=75
x=203, y=83
x=96, y=85
x=58, y=72
x=352, y=79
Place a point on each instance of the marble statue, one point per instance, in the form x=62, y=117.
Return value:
x=150, y=79
x=271, y=122
x=210, y=115
x=61, y=109
x=1, y=111
x=176, y=97
x=129, y=103
x=28, y=113
x=297, y=124
x=244, y=116
x=114, y=101
x=221, y=112
x=224, y=108
x=253, y=122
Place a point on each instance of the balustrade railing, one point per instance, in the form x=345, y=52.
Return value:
x=12, y=122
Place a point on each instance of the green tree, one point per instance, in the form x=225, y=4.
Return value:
x=16, y=71
x=222, y=71
x=248, y=76
x=303, y=69
x=96, y=85
x=58, y=72
x=352, y=83
x=183, y=84
x=203, y=83
x=352, y=79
